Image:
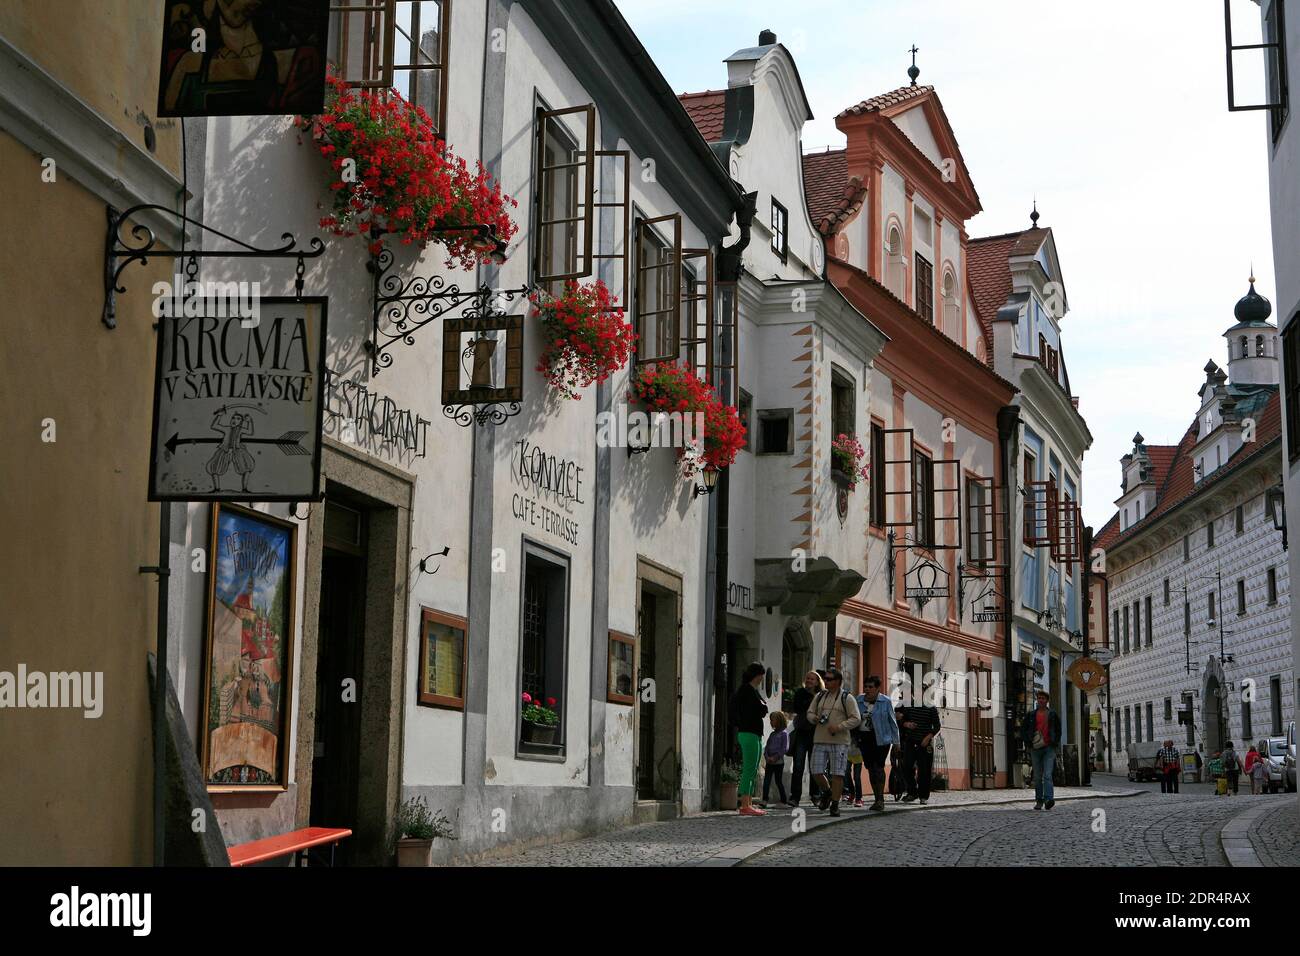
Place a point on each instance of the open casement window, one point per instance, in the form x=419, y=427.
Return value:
x=985, y=521
x=726, y=345
x=1040, y=513
x=1067, y=532
x=945, y=503
x=658, y=281
x=614, y=168
x=395, y=44
x=898, y=479
x=564, y=184
x=697, y=311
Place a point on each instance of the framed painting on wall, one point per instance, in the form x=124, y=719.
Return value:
x=243, y=57
x=249, y=651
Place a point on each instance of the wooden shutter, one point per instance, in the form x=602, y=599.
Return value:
x=697, y=312
x=900, y=493
x=562, y=245
x=658, y=279
x=946, y=497
x=615, y=170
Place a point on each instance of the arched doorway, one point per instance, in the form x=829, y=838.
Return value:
x=1214, y=710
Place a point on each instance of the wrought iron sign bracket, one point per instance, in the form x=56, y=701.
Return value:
x=119, y=254
x=989, y=575
x=402, y=308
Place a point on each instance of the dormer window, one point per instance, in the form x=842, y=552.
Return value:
x=951, y=307
x=924, y=288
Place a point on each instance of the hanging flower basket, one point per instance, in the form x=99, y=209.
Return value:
x=847, y=467
x=393, y=176
x=674, y=388
x=583, y=340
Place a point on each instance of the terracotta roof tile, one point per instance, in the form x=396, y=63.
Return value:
x=831, y=196
x=1178, y=482
x=708, y=111
x=885, y=100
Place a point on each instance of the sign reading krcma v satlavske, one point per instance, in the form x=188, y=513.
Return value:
x=238, y=402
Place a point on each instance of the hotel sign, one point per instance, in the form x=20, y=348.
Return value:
x=238, y=402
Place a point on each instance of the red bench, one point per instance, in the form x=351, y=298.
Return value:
x=297, y=843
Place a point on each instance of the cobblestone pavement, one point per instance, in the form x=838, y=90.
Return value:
x=695, y=839
x=1276, y=836
x=1147, y=830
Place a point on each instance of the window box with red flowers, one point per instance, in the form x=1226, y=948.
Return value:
x=847, y=467
x=540, y=720
x=674, y=389
x=393, y=176
x=584, y=340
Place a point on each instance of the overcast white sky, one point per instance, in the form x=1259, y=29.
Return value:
x=1112, y=112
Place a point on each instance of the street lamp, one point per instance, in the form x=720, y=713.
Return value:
x=1275, y=505
x=708, y=481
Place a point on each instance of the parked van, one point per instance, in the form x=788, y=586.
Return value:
x=1142, y=760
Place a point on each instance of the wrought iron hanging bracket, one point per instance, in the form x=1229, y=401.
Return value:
x=404, y=307
x=118, y=253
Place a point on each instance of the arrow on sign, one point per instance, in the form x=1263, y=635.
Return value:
x=287, y=443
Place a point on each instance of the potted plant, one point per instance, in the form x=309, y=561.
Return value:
x=540, y=721
x=847, y=467
x=584, y=339
x=730, y=783
x=674, y=388
x=393, y=175
x=417, y=827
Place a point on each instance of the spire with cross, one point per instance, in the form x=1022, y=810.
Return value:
x=912, y=70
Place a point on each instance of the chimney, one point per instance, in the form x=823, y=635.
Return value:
x=766, y=38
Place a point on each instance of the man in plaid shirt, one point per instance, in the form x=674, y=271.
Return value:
x=1169, y=761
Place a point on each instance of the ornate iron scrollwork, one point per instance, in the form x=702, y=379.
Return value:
x=404, y=307
x=118, y=253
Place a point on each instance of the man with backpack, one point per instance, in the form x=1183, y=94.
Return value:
x=1231, y=766
x=834, y=714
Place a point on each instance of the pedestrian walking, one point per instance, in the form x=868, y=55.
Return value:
x=748, y=712
x=1231, y=766
x=1168, y=760
x=1042, y=734
x=834, y=713
x=1256, y=770
x=877, y=733
x=1200, y=763
x=919, y=724
x=897, y=782
x=853, y=777
x=801, y=737
x=774, y=751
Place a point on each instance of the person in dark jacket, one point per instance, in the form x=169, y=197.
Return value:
x=749, y=712
x=801, y=736
x=919, y=724
x=1041, y=733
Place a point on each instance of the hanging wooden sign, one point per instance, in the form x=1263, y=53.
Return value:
x=243, y=57
x=238, y=399
x=1086, y=674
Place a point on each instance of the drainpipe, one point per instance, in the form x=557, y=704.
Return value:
x=729, y=269
x=1008, y=440
x=1085, y=610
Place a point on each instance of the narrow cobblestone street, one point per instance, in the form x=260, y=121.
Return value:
x=1113, y=823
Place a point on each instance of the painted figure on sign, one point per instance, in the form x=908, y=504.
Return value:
x=231, y=451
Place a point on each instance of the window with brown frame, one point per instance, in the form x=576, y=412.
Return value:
x=877, y=486
x=726, y=347
x=924, y=288
x=1041, y=517
x=696, y=311
x=981, y=521
x=442, y=660
x=563, y=195
x=1066, y=531
x=945, y=504
x=898, y=478
x=922, y=499
x=395, y=44
x=621, y=686
x=658, y=272
x=780, y=228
